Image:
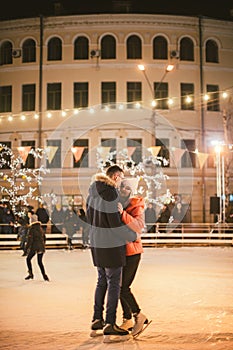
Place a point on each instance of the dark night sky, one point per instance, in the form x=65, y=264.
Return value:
x=34, y=8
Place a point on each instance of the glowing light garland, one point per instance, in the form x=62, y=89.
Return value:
x=172, y=101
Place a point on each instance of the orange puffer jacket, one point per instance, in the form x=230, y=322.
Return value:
x=133, y=216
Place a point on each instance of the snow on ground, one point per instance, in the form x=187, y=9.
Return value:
x=187, y=292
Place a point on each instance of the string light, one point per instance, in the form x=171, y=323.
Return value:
x=173, y=104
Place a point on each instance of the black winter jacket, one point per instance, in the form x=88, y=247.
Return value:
x=108, y=234
x=36, y=238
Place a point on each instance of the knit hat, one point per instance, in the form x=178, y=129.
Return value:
x=33, y=218
x=132, y=183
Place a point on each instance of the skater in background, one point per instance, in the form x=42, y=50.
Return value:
x=57, y=219
x=22, y=234
x=150, y=218
x=163, y=218
x=71, y=225
x=108, y=238
x=35, y=245
x=131, y=209
x=8, y=219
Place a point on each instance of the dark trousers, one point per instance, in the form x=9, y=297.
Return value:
x=31, y=254
x=109, y=281
x=128, y=301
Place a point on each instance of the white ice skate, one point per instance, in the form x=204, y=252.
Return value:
x=141, y=323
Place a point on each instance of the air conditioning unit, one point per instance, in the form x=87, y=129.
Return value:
x=95, y=53
x=174, y=54
x=16, y=53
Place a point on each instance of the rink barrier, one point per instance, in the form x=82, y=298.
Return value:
x=194, y=234
x=53, y=240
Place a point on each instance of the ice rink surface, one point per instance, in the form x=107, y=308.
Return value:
x=187, y=292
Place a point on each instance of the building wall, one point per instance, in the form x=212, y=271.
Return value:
x=174, y=123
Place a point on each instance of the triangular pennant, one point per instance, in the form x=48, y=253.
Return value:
x=202, y=158
x=51, y=150
x=177, y=154
x=104, y=152
x=1, y=148
x=154, y=150
x=131, y=151
x=77, y=152
x=23, y=151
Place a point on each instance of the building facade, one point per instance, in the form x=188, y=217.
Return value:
x=72, y=85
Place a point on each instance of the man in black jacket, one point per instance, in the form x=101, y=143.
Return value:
x=108, y=236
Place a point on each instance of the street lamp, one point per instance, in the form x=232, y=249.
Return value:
x=153, y=91
x=220, y=180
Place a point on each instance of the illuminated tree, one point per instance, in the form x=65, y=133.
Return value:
x=19, y=184
x=148, y=173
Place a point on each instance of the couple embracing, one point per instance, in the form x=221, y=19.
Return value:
x=116, y=219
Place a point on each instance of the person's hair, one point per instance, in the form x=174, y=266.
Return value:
x=113, y=169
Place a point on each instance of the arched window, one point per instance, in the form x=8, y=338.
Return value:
x=81, y=48
x=134, y=47
x=108, y=47
x=54, y=49
x=160, y=48
x=211, y=51
x=29, y=51
x=186, y=50
x=6, y=53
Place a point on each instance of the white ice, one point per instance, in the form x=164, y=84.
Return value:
x=187, y=292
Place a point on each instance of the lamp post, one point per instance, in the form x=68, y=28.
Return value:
x=153, y=91
x=220, y=181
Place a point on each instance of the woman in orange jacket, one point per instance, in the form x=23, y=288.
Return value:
x=131, y=209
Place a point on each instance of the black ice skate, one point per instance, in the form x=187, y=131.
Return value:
x=97, y=328
x=113, y=333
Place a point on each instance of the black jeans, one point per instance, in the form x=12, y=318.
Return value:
x=109, y=281
x=39, y=261
x=127, y=299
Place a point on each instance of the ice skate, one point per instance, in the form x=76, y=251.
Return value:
x=127, y=324
x=30, y=276
x=46, y=277
x=113, y=333
x=97, y=328
x=141, y=323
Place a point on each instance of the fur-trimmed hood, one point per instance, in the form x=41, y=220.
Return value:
x=103, y=187
x=103, y=178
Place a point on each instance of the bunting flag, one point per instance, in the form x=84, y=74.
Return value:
x=154, y=150
x=51, y=150
x=131, y=151
x=77, y=152
x=1, y=148
x=177, y=154
x=23, y=152
x=104, y=152
x=202, y=158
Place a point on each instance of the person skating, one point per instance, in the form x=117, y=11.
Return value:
x=131, y=209
x=108, y=236
x=35, y=245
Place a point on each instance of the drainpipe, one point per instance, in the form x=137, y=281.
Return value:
x=203, y=146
